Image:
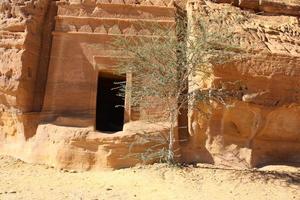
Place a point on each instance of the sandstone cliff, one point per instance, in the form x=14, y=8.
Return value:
x=261, y=126
x=23, y=59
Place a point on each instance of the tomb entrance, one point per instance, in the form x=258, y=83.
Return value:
x=110, y=104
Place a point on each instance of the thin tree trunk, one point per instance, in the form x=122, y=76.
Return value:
x=171, y=139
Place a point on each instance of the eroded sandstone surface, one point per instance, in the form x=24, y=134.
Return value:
x=260, y=126
x=50, y=75
x=49, y=51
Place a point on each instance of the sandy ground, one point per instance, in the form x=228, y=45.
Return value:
x=19, y=180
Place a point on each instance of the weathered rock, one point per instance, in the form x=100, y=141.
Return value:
x=84, y=149
x=24, y=52
x=278, y=7
x=54, y=82
x=48, y=83
x=261, y=126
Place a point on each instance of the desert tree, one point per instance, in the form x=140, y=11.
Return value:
x=162, y=66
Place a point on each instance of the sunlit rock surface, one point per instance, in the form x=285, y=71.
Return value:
x=49, y=51
x=262, y=125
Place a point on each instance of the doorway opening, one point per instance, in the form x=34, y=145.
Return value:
x=110, y=106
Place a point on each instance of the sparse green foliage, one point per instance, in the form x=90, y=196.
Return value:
x=157, y=152
x=163, y=65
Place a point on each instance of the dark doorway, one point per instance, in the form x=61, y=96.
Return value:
x=110, y=106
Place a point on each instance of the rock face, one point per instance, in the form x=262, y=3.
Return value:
x=277, y=7
x=53, y=53
x=262, y=126
x=24, y=49
x=49, y=53
x=85, y=149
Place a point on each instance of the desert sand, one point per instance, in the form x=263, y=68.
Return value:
x=19, y=180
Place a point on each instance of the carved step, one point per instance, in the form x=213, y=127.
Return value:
x=164, y=3
x=112, y=33
x=118, y=20
x=118, y=11
x=100, y=37
x=111, y=25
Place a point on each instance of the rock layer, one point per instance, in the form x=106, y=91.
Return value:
x=24, y=54
x=49, y=108
x=261, y=126
x=48, y=83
